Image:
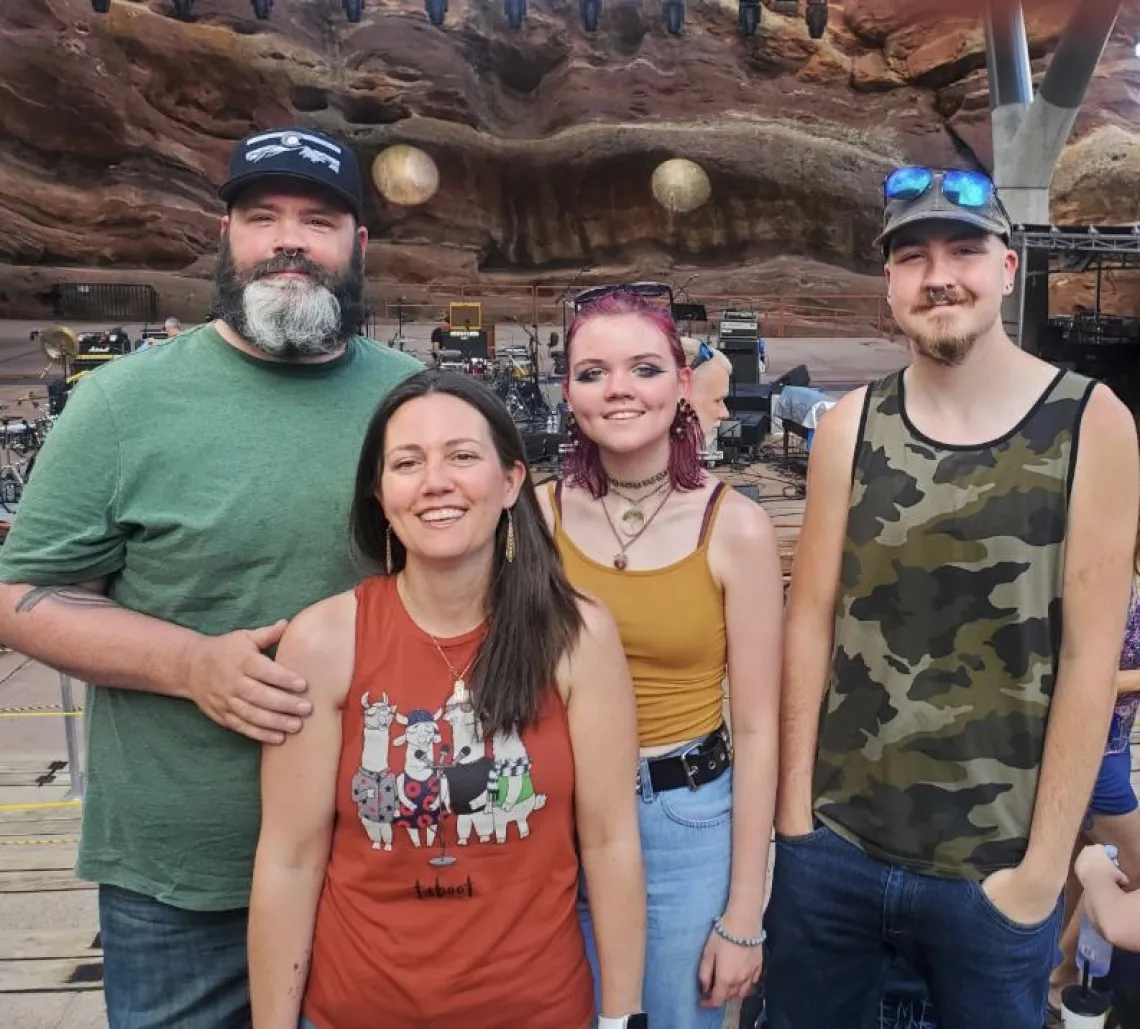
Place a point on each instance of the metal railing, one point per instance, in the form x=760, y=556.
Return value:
x=782, y=314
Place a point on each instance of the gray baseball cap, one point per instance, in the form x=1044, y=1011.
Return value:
x=933, y=205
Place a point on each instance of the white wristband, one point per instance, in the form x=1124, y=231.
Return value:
x=605, y=1022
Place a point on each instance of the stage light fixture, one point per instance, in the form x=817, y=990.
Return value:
x=516, y=12
x=816, y=18
x=101, y=6
x=262, y=9
x=591, y=11
x=184, y=9
x=674, y=16
x=436, y=11
x=354, y=10
x=748, y=17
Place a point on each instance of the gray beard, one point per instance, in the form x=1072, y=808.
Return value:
x=292, y=319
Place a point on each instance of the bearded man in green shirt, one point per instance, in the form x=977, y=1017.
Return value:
x=191, y=499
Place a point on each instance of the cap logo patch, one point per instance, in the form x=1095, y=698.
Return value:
x=310, y=148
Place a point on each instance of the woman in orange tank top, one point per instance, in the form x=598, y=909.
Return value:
x=691, y=573
x=419, y=852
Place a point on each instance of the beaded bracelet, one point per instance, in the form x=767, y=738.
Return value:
x=724, y=934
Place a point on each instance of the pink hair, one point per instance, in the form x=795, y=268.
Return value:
x=583, y=465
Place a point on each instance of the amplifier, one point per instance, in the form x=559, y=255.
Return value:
x=750, y=396
x=745, y=367
x=469, y=342
x=744, y=433
x=739, y=331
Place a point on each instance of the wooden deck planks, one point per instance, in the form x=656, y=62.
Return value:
x=51, y=975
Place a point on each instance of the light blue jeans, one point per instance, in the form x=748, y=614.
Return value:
x=686, y=843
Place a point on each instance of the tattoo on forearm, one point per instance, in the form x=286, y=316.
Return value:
x=65, y=595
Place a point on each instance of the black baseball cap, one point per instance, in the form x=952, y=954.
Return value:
x=300, y=154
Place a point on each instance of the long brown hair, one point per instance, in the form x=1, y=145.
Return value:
x=532, y=608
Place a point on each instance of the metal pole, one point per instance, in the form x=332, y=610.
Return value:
x=71, y=718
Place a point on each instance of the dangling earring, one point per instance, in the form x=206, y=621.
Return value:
x=509, y=551
x=684, y=417
x=388, y=551
x=573, y=434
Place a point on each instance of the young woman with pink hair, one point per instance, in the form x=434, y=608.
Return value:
x=690, y=571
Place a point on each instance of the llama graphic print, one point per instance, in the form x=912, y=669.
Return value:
x=481, y=785
x=374, y=785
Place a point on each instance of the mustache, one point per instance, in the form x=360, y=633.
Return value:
x=287, y=262
x=936, y=295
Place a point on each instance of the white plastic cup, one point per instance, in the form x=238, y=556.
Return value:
x=1081, y=1010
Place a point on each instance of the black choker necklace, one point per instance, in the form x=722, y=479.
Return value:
x=641, y=483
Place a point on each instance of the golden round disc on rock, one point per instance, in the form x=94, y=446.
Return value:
x=405, y=175
x=681, y=185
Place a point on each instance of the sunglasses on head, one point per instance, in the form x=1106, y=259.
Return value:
x=647, y=290
x=705, y=353
x=969, y=189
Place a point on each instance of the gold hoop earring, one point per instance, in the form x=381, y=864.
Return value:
x=388, y=551
x=509, y=551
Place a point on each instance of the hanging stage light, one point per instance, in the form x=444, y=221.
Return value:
x=101, y=6
x=436, y=11
x=816, y=18
x=674, y=16
x=516, y=12
x=262, y=9
x=354, y=10
x=748, y=17
x=184, y=9
x=591, y=11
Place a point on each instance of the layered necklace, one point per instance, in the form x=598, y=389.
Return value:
x=634, y=520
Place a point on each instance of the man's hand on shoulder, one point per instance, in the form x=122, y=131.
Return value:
x=236, y=685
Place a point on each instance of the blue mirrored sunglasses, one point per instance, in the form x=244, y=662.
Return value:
x=964, y=188
x=705, y=353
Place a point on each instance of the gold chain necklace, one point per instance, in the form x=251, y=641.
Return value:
x=459, y=679
x=621, y=562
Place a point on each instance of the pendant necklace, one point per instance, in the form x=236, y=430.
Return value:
x=633, y=518
x=621, y=562
x=459, y=679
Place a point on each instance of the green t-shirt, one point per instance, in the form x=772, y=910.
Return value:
x=213, y=489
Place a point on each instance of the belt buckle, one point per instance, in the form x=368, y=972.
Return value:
x=690, y=773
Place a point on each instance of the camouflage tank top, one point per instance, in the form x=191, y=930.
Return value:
x=947, y=635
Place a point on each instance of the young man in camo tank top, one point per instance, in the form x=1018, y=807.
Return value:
x=955, y=618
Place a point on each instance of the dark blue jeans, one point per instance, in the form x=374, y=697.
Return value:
x=837, y=919
x=165, y=967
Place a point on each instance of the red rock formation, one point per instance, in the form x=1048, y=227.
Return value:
x=114, y=131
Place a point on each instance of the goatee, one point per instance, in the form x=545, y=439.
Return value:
x=950, y=351
x=290, y=318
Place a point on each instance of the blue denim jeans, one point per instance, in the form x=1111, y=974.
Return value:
x=837, y=918
x=686, y=843
x=164, y=967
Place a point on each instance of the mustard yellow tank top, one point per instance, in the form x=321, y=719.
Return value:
x=672, y=627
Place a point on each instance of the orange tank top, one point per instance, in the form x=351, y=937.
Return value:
x=450, y=892
x=671, y=622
